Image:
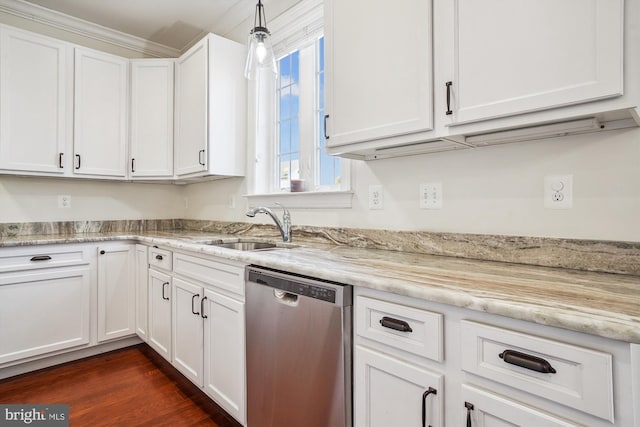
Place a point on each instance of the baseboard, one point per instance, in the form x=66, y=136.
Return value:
x=58, y=359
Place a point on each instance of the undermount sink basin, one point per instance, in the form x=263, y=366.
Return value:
x=246, y=246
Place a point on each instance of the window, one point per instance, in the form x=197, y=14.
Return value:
x=289, y=119
x=300, y=141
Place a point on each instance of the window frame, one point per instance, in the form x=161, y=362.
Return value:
x=297, y=29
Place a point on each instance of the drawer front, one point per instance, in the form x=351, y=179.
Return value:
x=37, y=257
x=406, y=328
x=212, y=272
x=576, y=377
x=160, y=258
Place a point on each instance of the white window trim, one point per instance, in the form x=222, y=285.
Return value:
x=297, y=27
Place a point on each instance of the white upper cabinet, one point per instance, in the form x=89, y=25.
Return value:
x=520, y=56
x=378, y=70
x=34, y=94
x=210, y=116
x=424, y=76
x=191, y=110
x=151, y=118
x=100, y=119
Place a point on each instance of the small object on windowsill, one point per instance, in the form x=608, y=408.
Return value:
x=297, y=185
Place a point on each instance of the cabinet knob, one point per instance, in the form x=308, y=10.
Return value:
x=159, y=257
x=41, y=258
x=102, y=252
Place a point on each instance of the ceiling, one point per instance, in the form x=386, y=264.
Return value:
x=172, y=23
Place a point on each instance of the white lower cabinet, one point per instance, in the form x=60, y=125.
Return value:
x=188, y=330
x=159, y=328
x=491, y=371
x=485, y=409
x=43, y=311
x=116, y=291
x=196, y=320
x=224, y=352
x=380, y=379
x=142, y=290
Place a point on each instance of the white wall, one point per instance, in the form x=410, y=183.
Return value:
x=36, y=199
x=493, y=190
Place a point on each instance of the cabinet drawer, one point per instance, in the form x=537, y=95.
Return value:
x=406, y=328
x=160, y=258
x=211, y=272
x=580, y=378
x=37, y=257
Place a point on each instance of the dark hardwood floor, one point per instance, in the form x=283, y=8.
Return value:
x=128, y=387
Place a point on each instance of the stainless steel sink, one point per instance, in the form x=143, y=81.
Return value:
x=246, y=245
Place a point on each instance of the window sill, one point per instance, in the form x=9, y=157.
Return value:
x=304, y=200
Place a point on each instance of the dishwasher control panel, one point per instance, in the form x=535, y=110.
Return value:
x=295, y=285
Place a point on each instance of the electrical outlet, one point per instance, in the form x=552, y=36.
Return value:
x=431, y=195
x=64, y=201
x=375, y=197
x=558, y=192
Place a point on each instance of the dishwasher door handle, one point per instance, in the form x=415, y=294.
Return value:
x=285, y=297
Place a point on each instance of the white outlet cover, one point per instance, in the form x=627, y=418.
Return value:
x=376, y=199
x=64, y=201
x=558, y=191
x=431, y=195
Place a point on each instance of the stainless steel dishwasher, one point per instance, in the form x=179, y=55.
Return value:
x=298, y=332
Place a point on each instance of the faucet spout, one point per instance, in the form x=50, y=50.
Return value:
x=284, y=227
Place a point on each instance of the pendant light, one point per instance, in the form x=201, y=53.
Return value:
x=260, y=55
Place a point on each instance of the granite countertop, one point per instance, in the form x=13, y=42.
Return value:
x=602, y=304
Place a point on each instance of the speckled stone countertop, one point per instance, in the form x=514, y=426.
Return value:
x=596, y=303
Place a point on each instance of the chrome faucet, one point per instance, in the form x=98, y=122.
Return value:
x=284, y=226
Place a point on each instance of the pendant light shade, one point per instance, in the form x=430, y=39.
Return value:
x=260, y=55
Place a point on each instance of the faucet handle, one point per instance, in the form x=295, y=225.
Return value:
x=286, y=212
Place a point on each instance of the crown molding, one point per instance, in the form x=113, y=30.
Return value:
x=51, y=18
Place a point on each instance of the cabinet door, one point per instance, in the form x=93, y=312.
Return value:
x=43, y=311
x=142, y=290
x=116, y=292
x=33, y=100
x=484, y=409
x=188, y=330
x=391, y=392
x=100, y=135
x=224, y=353
x=159, y=332
x=151, y=118
x=379, y=69
x=191, y=110
x=520, y=56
